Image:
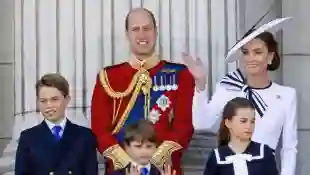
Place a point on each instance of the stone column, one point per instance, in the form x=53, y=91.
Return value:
x=296, y=61
x=6, y=70
x=6, y=75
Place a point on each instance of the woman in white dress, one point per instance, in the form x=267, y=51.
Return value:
x=275, y=104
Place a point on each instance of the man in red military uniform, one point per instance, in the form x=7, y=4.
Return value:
x=144, y=87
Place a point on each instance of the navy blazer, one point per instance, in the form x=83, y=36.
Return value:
x=39, y=153
x=153, y=171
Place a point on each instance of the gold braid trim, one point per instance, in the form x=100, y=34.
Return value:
x=141, y=81
x=125, y=115
x=164, y=152
x=118, y=156
x=103, y=76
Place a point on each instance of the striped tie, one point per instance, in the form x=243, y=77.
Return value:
x=236, y=81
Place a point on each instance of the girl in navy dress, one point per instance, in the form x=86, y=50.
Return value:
x=237, y=154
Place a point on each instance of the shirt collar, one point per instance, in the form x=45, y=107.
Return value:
x=62, y=124
x=148, y=166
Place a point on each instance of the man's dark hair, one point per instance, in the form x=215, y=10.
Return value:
x=53, y=80
x=141, y=131
x=144, y=9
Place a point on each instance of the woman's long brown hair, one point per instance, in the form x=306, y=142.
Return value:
x=229, y=111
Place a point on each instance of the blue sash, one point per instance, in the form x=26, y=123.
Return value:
x=167, y=75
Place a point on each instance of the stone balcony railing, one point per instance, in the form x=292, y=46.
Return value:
x=193, y=160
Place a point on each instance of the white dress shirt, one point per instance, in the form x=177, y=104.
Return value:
x=147, y=166
x=280, y=116
x=62, y=124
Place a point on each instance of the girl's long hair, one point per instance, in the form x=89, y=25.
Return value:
x=229, y=111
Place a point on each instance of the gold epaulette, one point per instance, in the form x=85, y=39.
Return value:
x=118, y=156
x=164, y=152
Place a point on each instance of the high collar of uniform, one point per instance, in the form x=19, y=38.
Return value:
x=147, y=63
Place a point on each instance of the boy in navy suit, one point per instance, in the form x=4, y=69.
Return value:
x=140, y=144
x=56, y=146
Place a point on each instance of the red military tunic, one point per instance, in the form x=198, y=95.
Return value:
x=177, y=133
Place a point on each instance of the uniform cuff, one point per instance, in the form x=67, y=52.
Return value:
x=118, y=156
x=164, y=152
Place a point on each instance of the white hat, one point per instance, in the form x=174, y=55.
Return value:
x=272, y=27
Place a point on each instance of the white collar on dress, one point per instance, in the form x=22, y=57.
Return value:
x=247, y=157
x=239, y=161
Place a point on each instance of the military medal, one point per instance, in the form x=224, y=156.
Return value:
x=174, y=85
x=163, y=102
x=155, y=87
x=162, y=87
x=168, y=86
x=154, y=116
